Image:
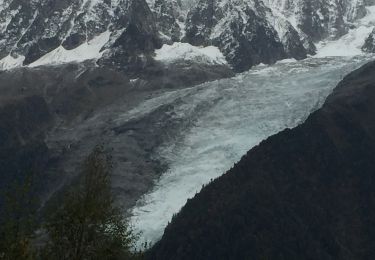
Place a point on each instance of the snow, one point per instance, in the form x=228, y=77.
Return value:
x=237, y=114
x=86, y=51
x=351, y=43
x=183, y=51
x=8, y=19
x=348, y=45
x=10, y=62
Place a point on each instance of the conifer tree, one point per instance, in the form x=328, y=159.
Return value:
x=88, y=225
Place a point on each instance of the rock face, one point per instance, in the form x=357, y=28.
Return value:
x=241, y=32
x=251, y=32
x=369, y=45
x=305, y=193
x=128, y=31
x=169, y=18
x=132, y=45
x=31, y=29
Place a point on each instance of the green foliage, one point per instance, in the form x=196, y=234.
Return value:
x=88, y=225
x=18, y=221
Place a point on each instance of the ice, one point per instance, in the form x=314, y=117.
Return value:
x=234, y=115
x=86, y=51
x=184, y=51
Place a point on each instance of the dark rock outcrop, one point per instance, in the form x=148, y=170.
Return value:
x=244, y=37
x=168, y=16
x=369, y=45
x=131, y=50
x=305, y=193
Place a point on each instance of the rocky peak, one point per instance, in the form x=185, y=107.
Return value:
x=31, y=29
x=247, y=32
x=169, y=18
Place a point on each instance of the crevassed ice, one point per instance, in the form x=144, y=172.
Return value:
x=242, y=111
x=239, y=113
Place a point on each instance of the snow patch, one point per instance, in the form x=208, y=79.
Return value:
x=184, y=51
x=10, y=62
x=86, y=51
x=348, y=45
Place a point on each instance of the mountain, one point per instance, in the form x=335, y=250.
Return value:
x=69, y=71
x=32, y=29
x=253, y=32
x=146, y=78
x=304, y=193
x=125, y=33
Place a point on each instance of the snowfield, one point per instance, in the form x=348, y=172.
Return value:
x=90, y=50
x=87, y=51
x=10, y=62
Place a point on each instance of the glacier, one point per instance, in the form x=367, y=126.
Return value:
x=237, y=114
x=225, y=117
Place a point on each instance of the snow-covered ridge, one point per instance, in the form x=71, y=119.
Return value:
x=46, y=28
x=73, y=30
x=87, y=51
x=91, y=50
x=232, y=26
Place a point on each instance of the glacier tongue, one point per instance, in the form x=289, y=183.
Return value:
x=235, y=115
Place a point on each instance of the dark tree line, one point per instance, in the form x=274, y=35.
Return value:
x=86, y=225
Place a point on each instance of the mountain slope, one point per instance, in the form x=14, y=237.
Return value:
x=31, y=29
x=124, y=33
x=264, y=31
x=305, y=193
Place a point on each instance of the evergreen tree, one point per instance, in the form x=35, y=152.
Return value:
x=88, y=225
